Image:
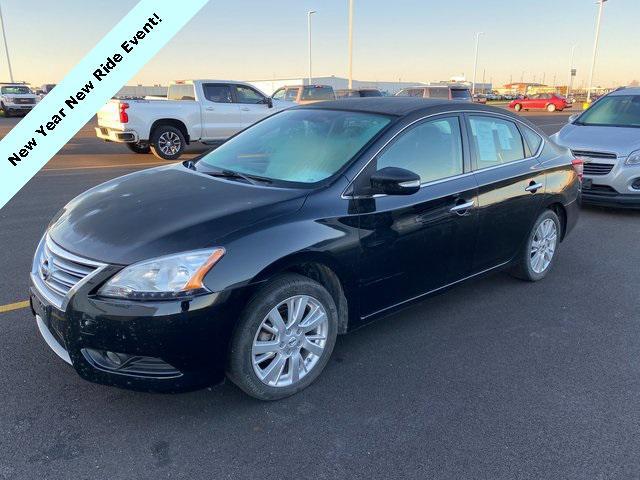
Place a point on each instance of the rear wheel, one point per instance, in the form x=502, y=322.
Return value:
x=551, y=107
x=139, y=147
x=538, y=254
x=167, y=142
x=284, y=338
x=517, y=107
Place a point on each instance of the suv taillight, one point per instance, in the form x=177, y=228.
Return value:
x=124, y=118
x=578, y=166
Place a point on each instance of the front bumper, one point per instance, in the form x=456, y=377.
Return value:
x=152, y=346
x=118, y=136
x=19, y=106
x=611, y=199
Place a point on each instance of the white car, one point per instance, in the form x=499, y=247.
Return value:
x=607, y=137
x=207, y=111
x=16, y=97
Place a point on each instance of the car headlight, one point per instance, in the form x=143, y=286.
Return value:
x=164, y=278
x=633, y=158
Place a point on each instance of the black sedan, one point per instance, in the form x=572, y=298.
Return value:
x=251, y=260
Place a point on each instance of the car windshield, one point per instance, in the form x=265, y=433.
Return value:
x=301, y=146
x=16, y=90
x=613, y=111
x=460, y=93
x=317, y=93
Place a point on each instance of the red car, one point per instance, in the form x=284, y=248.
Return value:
x=549, y=101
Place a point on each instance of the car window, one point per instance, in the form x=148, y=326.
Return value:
x=438, y=92
x=248, y=95
x=292, y=94
x=217, y=92
x=495, y=141
x=278, y=94
x=181, y=92
x=532, y=138
x=370, y=93
x=460, y=93
x=613, y=111
x=300, y=145
x=432, y=149
x=318, y=93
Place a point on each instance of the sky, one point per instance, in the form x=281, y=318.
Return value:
x=411, y=40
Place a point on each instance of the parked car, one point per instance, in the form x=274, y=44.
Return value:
x=362, y=92
x=304, y=94
x=306, y=225
x=449, y=92
x=551, y=102
x=480, y=98
x=207, y=111
x=16, y=97
x=607, y=137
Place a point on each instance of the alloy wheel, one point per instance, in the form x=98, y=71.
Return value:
x=290, y=341
x=543, y=245
x=169, y=143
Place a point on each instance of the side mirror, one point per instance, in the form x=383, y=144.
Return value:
x=269, y=102
x=573, y=117
x=395, y=181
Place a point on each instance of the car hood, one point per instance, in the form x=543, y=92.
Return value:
x=619, y=140
x=162, y=211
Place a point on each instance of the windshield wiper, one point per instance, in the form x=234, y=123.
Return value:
x=252, y=179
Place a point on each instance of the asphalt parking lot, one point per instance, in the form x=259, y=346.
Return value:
x=496, y=379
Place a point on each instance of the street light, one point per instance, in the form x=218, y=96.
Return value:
x=350, y=44
x=475, y=64
x=6, y=48
x=309, y=13
x=595, y=48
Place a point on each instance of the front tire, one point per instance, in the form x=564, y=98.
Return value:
x=167, y=142
x=284, y=338
x=537, y=257
x=551, y=108
x=517, y=107
x=139, y=147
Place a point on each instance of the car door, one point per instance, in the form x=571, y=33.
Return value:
x=510, y=182
x=253, y=105
x=417, y=243
x=221, y=117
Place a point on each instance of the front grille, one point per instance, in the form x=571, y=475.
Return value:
x=585, y=153
x=25, y=101
x=599, y=189
x=597, y=168
x=56, y=272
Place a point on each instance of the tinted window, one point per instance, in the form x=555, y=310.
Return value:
x=613, y=111
x=217, y=93
x=370, y=93
x=291, y=95
x=411, y=92
x=533, y=139
x=439, y=92
x=304, y=146
x=181, y=92
x=279, y=94
x=495, y=141
x=248, y=95
x=432, y=149
x=318, y=93
x=460, y=94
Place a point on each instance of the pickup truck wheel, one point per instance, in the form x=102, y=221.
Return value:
x=167, y=142
x=140, y=147
x=5, y=111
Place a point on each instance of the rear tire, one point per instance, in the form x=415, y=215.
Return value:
x=139, y=147
x=272, y=372
x=537, y=256
x=167, y=142
x=517, y=107
x=551, y=108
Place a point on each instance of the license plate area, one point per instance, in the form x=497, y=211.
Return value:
x=54, y=324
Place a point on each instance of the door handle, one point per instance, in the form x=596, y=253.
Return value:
x=245, y=109
x=533, y=187
x=210, y=108
x=462, y=208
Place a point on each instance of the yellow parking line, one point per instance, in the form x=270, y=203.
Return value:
x=13, y=306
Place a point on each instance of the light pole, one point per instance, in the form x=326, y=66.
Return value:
x=6, y=48
x=350, y=44
x=309, y=13
x=475, y=63
x=570, y=82
x=595, y=48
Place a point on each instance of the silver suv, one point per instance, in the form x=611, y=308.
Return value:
x=607, y=138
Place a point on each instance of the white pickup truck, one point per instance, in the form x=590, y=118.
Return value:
x=207, y=111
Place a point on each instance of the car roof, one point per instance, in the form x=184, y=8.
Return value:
x=626, y=91
x=402, y=106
